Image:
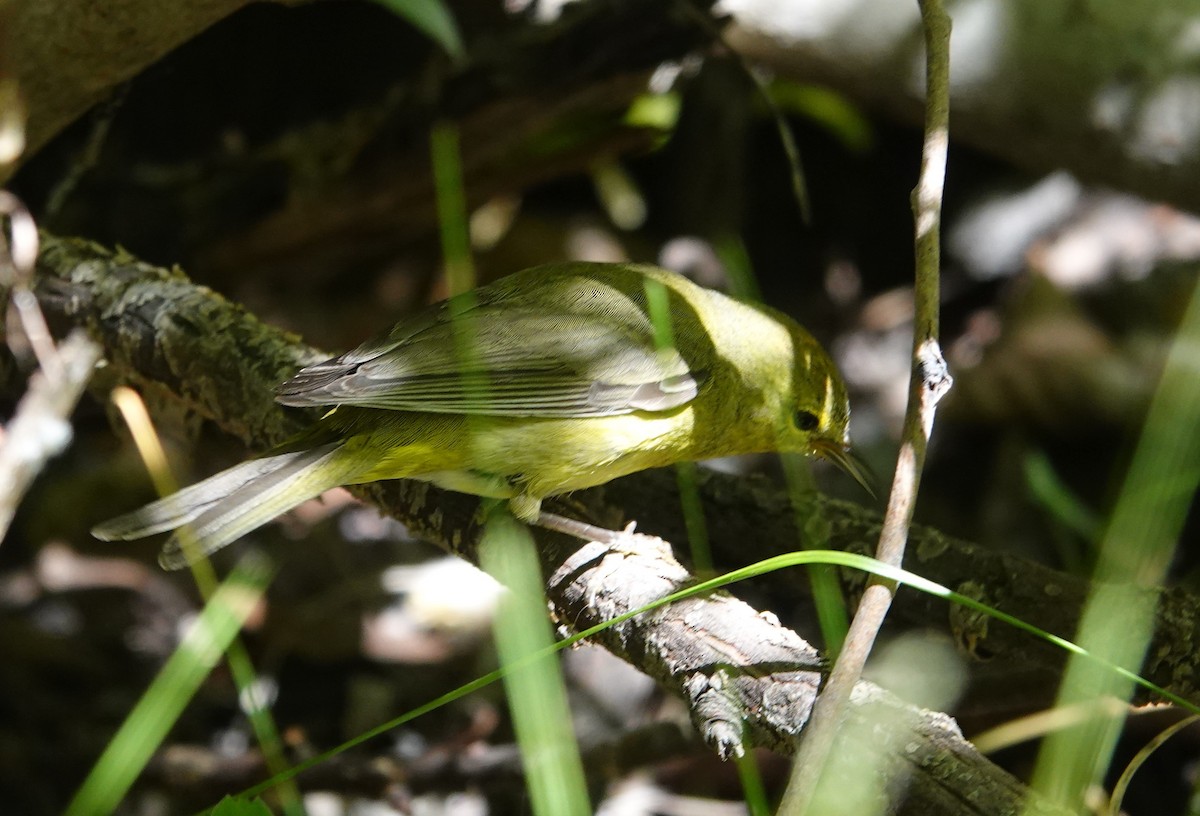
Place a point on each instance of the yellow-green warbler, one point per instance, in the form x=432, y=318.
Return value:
x=553, y=379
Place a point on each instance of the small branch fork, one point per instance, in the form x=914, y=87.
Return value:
x=40, y=429
x=929, y=382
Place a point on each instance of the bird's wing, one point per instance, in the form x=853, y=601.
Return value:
x=499, y=359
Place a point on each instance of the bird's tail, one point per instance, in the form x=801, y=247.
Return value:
x=224, y=507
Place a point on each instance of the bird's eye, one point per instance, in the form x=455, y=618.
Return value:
x=806, y=420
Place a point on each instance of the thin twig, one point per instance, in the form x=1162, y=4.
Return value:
x=17, y=257
x=102, y=121
x=41, y=427
x=928, y=382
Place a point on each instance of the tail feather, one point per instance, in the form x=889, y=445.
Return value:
x=228, y=519
x=222, y=508
x=185, y=505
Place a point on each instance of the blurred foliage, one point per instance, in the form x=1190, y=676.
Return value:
x=282, y=157
x=434, y=19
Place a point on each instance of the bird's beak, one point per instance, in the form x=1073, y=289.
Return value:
x=845, y=458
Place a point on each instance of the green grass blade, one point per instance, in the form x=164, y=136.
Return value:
x=158, y=709
x=1050, y=492
x=658, y=307
x=1135, y=551
x=814, y=535
x=693, y=518
x=452, y=207
x=537, y=695
x=754, y=793
x=826, y=591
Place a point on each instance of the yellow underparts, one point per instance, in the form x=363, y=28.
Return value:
x=518, y=457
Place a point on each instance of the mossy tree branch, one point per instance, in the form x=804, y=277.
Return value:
x=749, y=680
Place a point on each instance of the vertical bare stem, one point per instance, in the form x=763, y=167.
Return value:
x=928, y=382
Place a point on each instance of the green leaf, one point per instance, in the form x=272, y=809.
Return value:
x=827, y=108
x=230, y=806
x=432, y=18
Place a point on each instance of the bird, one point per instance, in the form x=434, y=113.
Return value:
x=550, y=380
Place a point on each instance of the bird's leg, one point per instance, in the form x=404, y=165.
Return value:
x=581, y=529
x=529, y=510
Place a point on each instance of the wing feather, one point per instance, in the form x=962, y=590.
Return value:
x=502, y=359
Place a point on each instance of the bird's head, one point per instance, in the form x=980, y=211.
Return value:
x=819, y=418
